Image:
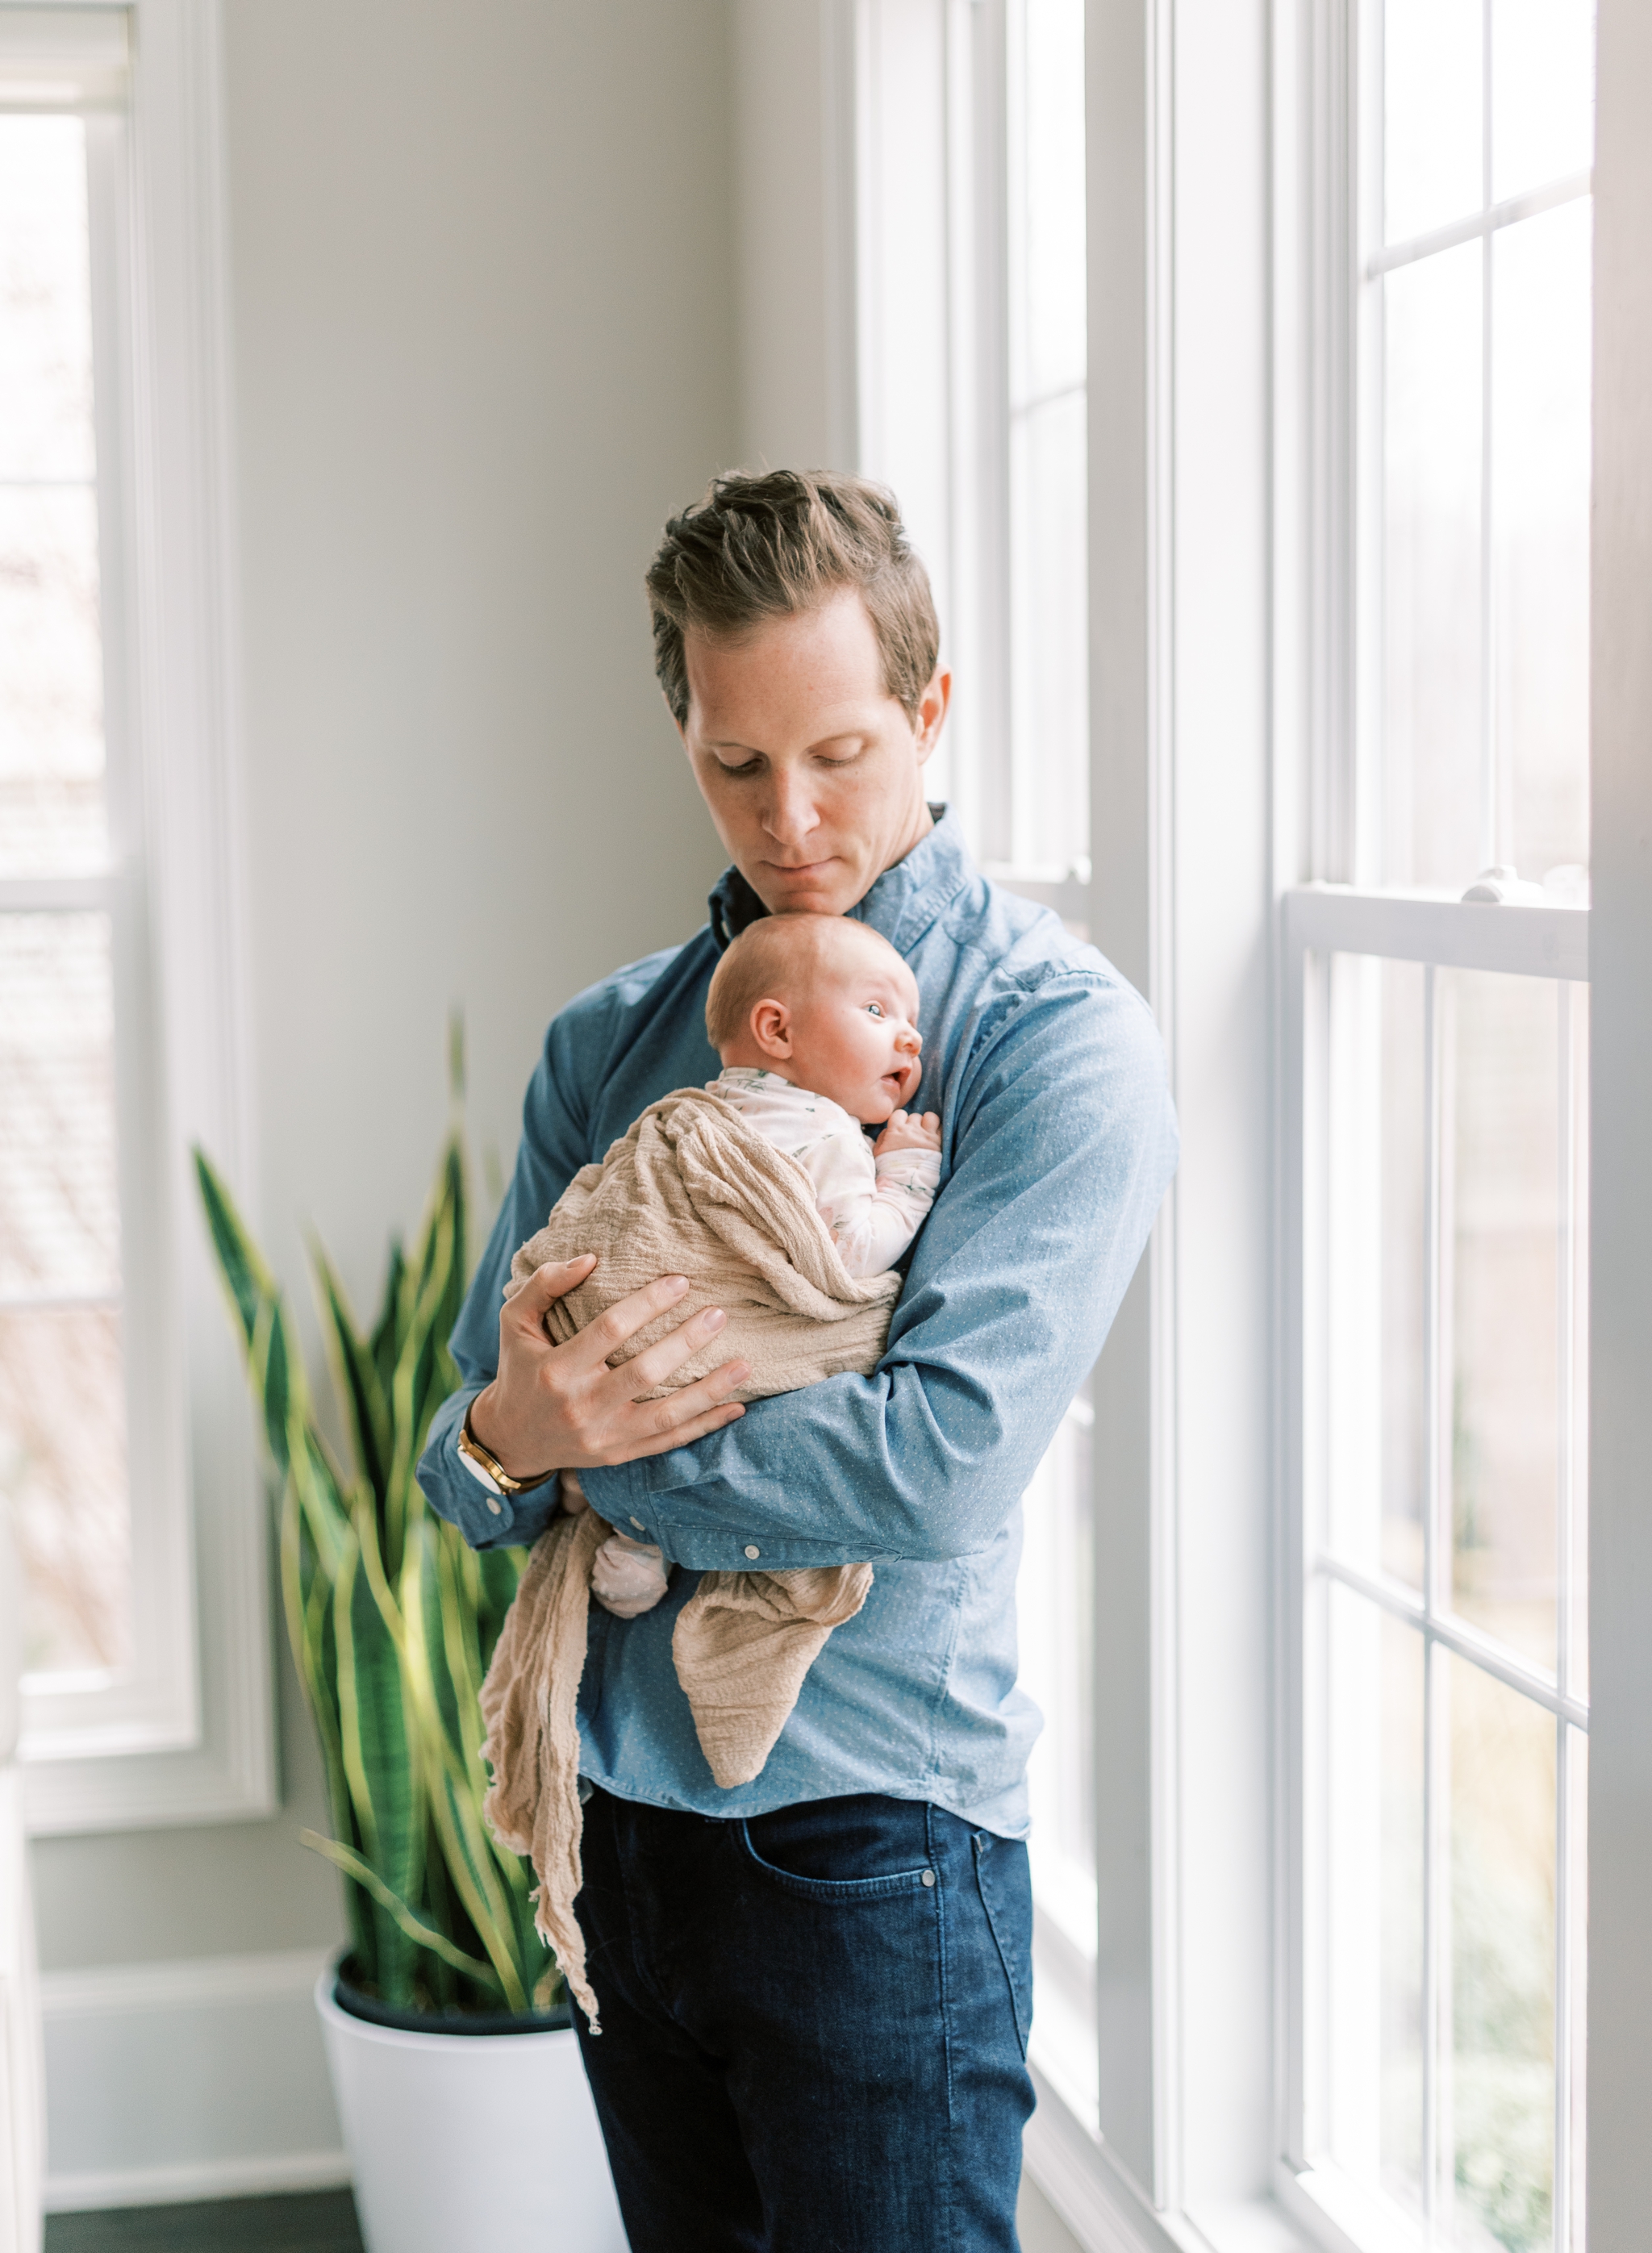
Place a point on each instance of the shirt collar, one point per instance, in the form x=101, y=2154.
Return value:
x=901, y=905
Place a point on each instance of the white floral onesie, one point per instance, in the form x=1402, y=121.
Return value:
x=874, y=1208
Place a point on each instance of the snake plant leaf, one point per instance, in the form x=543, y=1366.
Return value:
x=423, y=1934
x=424, y=1371
x=355, y=1379
x=246, y=1280
x=386, y=1342
x=315, y=1485
x=453, y=1770
x=391, y=1619
x=378, y=1758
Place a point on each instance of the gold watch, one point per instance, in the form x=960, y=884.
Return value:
x=488, y=1468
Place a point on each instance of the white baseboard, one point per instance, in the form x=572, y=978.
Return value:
x=185, y=2184
x=192, y=2079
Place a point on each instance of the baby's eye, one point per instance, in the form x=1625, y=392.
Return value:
x=875, y=1009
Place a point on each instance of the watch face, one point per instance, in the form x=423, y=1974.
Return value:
x=478, y=1471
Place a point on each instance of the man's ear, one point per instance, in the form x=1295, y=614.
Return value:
x=932, y=714
x=770, y=1023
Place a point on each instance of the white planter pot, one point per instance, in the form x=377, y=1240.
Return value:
x=470, y=2142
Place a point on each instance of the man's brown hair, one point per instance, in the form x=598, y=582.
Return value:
x=782, y=543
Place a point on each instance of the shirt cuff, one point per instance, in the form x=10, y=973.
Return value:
x=487, y=1520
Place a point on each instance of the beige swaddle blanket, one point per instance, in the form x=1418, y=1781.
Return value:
x=693, y=1190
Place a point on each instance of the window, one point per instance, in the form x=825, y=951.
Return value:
x=62, y=1407
x=1438, y=1015
x=972, y=312
x=972, y=334
x=127, y=1471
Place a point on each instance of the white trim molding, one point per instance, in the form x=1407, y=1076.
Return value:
x=193, y=2080
x=193, y=1741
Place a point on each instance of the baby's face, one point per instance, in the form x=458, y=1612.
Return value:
x=854, y=1028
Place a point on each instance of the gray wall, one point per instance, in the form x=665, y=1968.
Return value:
x=485, y=278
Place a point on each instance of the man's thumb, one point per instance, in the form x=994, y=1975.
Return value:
x=554, y=1281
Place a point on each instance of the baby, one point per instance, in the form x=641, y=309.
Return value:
x=815, y=1018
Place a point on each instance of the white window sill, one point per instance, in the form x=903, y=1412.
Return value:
x=1107, y=2213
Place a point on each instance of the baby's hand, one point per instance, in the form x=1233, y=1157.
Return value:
x=908, y=1130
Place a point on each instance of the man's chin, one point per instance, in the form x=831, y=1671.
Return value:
x=832, y=892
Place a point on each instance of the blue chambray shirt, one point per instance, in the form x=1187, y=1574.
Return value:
x=1057, y=1141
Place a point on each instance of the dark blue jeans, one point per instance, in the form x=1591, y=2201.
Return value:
x=814, y=2027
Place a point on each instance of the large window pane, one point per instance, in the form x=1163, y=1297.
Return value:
x=46, y=316
x=52, y=819
x=1375, y=1897
x=63, y=1468
x=1543, y=93
x=51, y=808
x=1500, y=1100
x=1050, y=620
x=1432, y=751
x=59, y=1225
x=1501, y=1995
x=1057, y=1670
x=62, y=1386
x=1430, y=113
x=1052, y=626
x=1377, y=1421
x=1540, y=535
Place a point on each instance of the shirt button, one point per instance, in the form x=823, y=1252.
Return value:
x=928, y=1877
x=752, y=1549
x=493, y=1505
x=637, y=1523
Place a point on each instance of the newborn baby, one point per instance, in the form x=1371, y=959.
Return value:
x=815, y=1018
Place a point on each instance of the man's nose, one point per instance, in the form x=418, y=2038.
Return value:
x=791, y=814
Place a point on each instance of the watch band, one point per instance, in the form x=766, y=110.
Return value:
x=488, y=1468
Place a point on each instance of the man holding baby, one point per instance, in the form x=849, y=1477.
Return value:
x=815, y=1986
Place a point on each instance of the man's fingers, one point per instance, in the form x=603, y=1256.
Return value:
x=625, y=1317
x=667, y=1355
x=684, y=1435
x=687, y=1410
x=554, y=1280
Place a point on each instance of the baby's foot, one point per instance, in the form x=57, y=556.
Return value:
x=627, y=1576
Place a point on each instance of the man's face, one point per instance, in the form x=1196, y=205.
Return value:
x=812, y=771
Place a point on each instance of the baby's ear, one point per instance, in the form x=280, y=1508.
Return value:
x=771, y=1028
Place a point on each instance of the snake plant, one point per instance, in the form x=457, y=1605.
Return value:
x=391, y=1619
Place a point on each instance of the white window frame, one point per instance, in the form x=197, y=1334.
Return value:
x=186, y=1736
x=1328, y=375
x=1440, y=932
x=1222, y=350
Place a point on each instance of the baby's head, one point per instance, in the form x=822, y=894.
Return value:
x=827, y=1004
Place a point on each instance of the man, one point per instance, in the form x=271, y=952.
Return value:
x=815, y=1990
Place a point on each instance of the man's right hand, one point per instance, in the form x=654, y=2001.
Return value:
x=560, y=1407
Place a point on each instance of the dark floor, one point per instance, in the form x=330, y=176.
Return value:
x=319, y=2221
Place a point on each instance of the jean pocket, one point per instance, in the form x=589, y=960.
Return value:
x=1005, y=1884
x=863, y=1885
